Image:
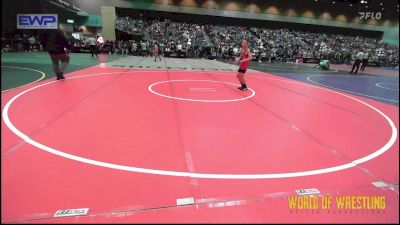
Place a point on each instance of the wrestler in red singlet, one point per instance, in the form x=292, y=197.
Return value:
x=245, y=58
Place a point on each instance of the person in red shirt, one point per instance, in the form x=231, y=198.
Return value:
x=245, y=58
x=155, y=52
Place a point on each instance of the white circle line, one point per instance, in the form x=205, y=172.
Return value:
x=380, y=151
x=309, y=79
x=23, y=68
x=199, y=100
x=380, y=86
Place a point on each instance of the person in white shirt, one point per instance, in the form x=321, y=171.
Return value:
x=364, y=61
x=134, y=48
x=180, y=49
x=235, y=51
x=144, y=49
x=32, y=42
x=92, y=45
x=100, y=42
x=125, y=48
x=357, y=61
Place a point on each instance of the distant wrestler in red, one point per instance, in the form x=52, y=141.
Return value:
x=155, y=52
x=245, y=58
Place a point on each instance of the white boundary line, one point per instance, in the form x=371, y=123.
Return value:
x=380, y=85
x=375, y=154
x=297, y=70
x=199, y=100
x=23, y=68
x=309, y=79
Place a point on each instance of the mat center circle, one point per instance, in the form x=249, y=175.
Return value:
x=200, y=90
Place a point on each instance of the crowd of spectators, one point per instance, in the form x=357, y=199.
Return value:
x=222, y=42
x=130, y=25
x=20, y=43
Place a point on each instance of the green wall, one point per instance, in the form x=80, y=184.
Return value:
x=94, y=21
x=391, y=35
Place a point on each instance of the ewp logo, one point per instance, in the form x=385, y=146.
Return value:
x=37, y=21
